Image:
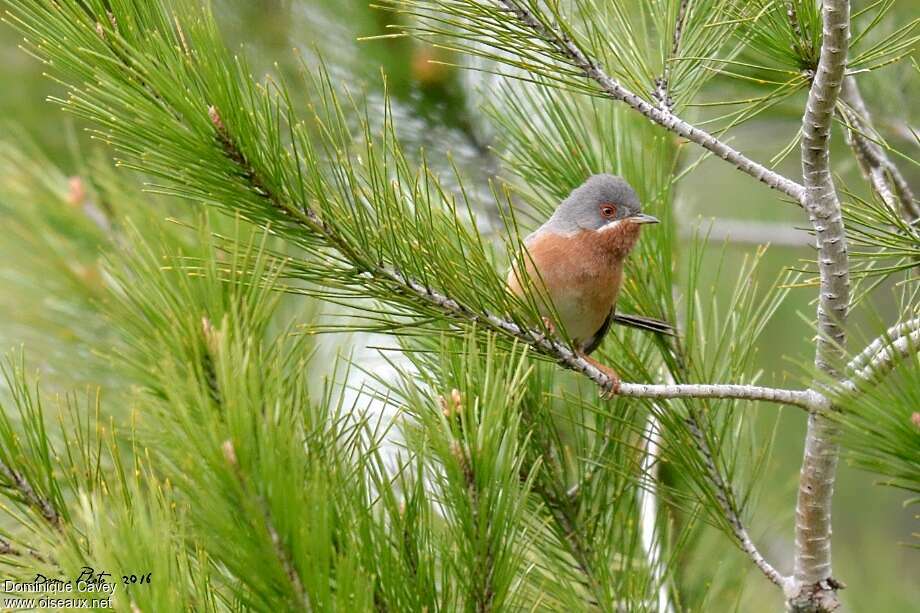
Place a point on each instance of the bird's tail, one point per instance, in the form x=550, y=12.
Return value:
x=644, y=323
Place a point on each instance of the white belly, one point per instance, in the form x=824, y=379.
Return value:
x=578, y=314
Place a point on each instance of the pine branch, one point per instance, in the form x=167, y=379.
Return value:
x=663, y=83
x=894, y=333
x=482, y=575
x=877, y=167
x=281, y=551
x=883, y=361
x=806, y=399
x=814, y=588
x=8, y=549
x=726, y=502
x=555, y=349
x=561, y=508
x=664, y=118
x=26, y=492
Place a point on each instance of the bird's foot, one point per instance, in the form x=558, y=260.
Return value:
x=613, y=389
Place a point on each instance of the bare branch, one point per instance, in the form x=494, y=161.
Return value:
x=821, y=201
x=884, y=361
x=814, y=589
x=806, y=399
x=662, y=117
x=893, y=333
x=877, y=167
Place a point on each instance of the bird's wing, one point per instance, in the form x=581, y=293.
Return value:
x=594, y=342
x=644, y=323
x=648, y=324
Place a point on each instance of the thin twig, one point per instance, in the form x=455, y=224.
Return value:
x=725, y=499
x=8, y=549
x=662, y=117
x=893, y=333
x=663, y=83
x=883, y=361
x=44, y=506
x=877, y=167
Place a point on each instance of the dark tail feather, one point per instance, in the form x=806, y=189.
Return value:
x=644, y=323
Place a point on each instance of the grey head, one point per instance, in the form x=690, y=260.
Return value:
x=600, y=202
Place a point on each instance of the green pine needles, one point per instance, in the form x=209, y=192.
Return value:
x=219, y=445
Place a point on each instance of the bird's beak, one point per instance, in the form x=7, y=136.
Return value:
x=643, y=218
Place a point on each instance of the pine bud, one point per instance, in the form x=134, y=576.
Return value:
x=212, y=336
x=229, y=453
x=76, y=191
x=456, y=450
x=214, y=116
x=452, y=407
x=425, y=68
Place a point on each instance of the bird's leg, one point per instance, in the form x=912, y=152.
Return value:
x=550, y=326
x=614, y=388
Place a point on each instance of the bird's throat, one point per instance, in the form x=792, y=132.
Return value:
x=618, y=239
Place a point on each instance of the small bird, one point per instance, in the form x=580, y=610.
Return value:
x=578, y=256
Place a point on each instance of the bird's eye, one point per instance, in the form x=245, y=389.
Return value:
x=608, y=211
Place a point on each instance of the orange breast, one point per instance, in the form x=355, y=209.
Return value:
x=582, y=277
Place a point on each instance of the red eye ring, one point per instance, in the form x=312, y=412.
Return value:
x=608, y=211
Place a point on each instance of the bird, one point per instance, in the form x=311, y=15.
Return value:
x=576, y=258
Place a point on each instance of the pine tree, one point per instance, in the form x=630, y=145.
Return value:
x=218, y=454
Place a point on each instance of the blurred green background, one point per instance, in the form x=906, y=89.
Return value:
x=869, y=520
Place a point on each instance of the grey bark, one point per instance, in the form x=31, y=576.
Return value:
x=813, y=587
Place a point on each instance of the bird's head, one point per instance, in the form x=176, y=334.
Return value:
x=603, y=203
